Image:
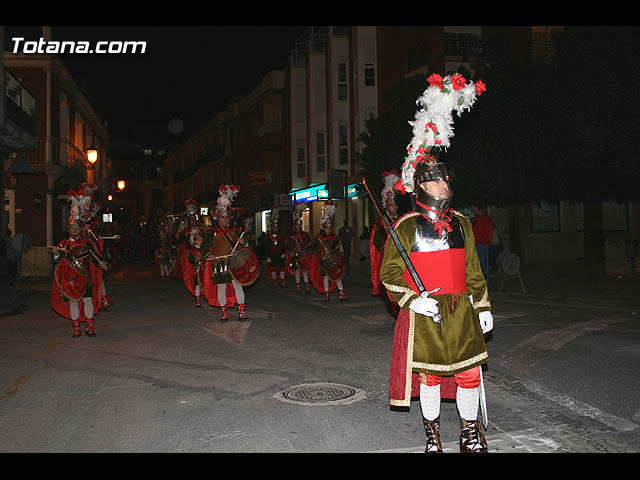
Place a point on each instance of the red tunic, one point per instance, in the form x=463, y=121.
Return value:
x=69, y=284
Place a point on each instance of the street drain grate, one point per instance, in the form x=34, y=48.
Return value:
x=321, y=394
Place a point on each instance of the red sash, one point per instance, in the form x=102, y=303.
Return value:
x=444, y=269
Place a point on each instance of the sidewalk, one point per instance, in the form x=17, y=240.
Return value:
x=578, y=282
x=571, y=282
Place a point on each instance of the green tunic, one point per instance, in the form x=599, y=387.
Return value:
x=456, y=344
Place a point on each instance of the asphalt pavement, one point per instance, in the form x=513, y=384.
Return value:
x=577, y=282
x=153, y=363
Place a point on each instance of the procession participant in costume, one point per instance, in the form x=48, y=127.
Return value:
x=298, y=250
x=439, y=332
x=223, y=240
x=189, y=222
x=275, y=249
x=163, y=253
x=327, y=263
x=76, y=290
x=92, y=229
x=196, y=264
x=193, y=233
x=379, y=231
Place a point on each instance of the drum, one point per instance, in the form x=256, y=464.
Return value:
x=244, y=267
x=333, y=264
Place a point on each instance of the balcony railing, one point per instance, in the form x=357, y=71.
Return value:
x=63, y=152
x=20, y=105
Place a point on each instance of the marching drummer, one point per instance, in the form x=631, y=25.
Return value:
x=327, y=264
x=275, y=248
x=298, y=257
x=194, y=257
x=221, y=289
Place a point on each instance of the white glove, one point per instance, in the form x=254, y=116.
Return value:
x=424, y=305
x=268, y=260
x=486, y=321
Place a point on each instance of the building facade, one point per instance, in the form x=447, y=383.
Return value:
x=67, y=126
x=242, y=145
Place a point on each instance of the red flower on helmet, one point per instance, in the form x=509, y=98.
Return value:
x=480, y=87
x=399, y=186
x=435, y=79
x=458, y=82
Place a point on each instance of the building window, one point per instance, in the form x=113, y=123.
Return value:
x=369, y=75
x=300, y=162
x=615, y=217
x=320, y=155
x=461, y=47
x=545, y=218
x=342, y=81
x=343, y=146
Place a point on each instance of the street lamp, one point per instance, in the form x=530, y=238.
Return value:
x=121, y=185
x=92, y=156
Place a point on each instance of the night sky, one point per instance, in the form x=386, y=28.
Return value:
x=189, y=72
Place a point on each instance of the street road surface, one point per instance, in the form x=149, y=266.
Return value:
x=301, y=376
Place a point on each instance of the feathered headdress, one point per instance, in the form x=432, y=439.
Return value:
x=328, y=211
x=433, y=124
x=275, y=216
x=191, y=206
x=390, y=180
x=298, y=212
x=79, y=203
x=226, y=195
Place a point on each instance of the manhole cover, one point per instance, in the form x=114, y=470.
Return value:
x=321, y=394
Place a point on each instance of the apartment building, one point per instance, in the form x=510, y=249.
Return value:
x=331, y=90
x=241, y=145
x=67, y=127
x=337, y=76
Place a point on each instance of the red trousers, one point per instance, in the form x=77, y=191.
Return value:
x=466, y=379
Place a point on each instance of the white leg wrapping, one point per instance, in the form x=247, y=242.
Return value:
x=222, y=294
x=430, y=401
x=467, y=401
x=74, y=310
x=239, y=291
x=88, y=307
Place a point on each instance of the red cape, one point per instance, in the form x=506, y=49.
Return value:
x=403, y=383
x=375, y=259
x=211, y=289
x=314, y=272
x=61, y=275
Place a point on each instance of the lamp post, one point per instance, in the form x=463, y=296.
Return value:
x=92, y=158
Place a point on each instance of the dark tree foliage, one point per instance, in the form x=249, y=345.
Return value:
x=542, y=132
x=387, y=136
x=597, y=82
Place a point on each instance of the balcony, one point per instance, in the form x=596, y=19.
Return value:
x=18, y=124
x=63, y=153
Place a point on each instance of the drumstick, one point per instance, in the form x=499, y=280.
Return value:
x=60, y=248
x=236, y=245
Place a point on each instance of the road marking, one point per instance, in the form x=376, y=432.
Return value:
x=12, y=389
x=51, y=348
x=368, y=320
x=526, y=354
x=578, y=407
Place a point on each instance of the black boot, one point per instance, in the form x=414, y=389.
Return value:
x=472, y=437
x=432, y=430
